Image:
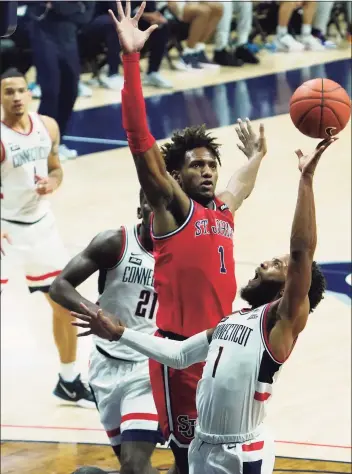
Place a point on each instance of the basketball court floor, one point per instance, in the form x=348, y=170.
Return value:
x=310, y=413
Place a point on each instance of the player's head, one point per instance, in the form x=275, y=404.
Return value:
x=144, y=210
x=192, y=158
x=89, y=470
x=269, y=281
x=15, y=95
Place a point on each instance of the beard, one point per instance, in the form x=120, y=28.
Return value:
x=263, y=293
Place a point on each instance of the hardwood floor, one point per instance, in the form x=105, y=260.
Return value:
x=63, y=458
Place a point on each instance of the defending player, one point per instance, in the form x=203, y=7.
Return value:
x=189, y=222
x=30, y=170
x=246, y=350
x=120, y=379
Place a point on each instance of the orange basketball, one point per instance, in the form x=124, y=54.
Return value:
x=320, y=108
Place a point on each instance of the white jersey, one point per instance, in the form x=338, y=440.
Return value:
x=25, y=155
x=237, y=379
x=127, y=291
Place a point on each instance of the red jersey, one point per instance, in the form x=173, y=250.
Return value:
x=195, y=271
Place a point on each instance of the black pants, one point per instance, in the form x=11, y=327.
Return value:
x=101, y=28
x=56, y=59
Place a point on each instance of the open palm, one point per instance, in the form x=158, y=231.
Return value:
x=131, y=38
x=251, y=144
x=308, y=163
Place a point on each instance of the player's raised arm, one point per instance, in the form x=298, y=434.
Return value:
x=101, y=253
x=243, y=180
x=295, y=305
x=175, y=354
x=157, y=184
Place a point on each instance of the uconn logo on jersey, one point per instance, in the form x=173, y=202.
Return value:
x=140, y=275
x=220, y=228
x=237, y=333
x=27, y=156
x=186, y=426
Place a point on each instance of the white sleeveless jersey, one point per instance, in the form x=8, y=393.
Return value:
x=127, y=291
x=26, y=155
x=237, y=379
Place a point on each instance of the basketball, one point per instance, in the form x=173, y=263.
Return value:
x=320, y=108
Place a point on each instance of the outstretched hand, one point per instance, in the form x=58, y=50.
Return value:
x=98, y=324
x=252, y=145
x=4, y=236
x=308, y=163
x=131, y=38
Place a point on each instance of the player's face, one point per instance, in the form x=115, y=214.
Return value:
x=268, y=282
x=199, y=175
x=15, y=96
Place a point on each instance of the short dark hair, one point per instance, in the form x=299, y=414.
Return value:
x=186, y=140
x=317, y=287
x=89, y=470
x=12, y=72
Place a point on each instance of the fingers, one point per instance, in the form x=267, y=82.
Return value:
x=299, y=153
x=261, y=131
x=88, y=311
x=81, y=325
x=150, y=30
x=241, y=148
x=83, y=317
x=114, y=19
x=243, y=129
x=128, y=9
x=138, y=15
x=120, y=10
x=249, y=127
x=87, y=333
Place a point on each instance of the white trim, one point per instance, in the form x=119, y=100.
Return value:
x=176, y=231
x=178, y=444
x=167, y=398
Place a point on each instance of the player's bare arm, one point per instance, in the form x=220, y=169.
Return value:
x=242, y=182
x=292, y=310
x=52, y=182
x=4, y=236
x=159, y=187
x=176, y=354
x=102, y=253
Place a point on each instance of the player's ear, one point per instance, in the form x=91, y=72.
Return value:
x=139, y=213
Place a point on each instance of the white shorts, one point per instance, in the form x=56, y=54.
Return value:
x=37, y=249
x=252, y=457
x=124, y=399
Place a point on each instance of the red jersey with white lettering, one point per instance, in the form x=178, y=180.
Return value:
x=195, y=271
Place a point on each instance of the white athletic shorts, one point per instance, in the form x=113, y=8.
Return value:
x=37, y=249
x=252, y=457
x=124, y=399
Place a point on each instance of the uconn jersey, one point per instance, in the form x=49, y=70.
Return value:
x=237, y=379
x=127, y=291
x=25, y=156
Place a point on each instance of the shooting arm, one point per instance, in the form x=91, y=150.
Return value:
x=101, y=253
x=175, y=354
x=241, y=183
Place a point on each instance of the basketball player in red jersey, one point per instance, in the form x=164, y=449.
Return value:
x=31, y=170
x=192, y=232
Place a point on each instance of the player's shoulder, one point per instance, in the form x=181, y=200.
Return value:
x=50, y=124
x=106, y=247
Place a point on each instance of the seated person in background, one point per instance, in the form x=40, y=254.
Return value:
x=202, y=18
x=244, y=14
x=102, y=29
x=286, y=42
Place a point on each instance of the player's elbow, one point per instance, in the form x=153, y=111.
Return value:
x=56, y=289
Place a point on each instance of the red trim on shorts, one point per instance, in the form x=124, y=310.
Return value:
x=3, y=281
x=253, y=446
x=139, y=416
x=3, y=152
x=261, y=397
x=21, y=133
x=113, y=433
x=43, y=277
x=1, y=196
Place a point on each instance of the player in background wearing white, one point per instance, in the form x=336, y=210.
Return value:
x=246, y=350
x=30, y=170
x=119, y=378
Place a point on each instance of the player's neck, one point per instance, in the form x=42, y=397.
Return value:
x=145, y=237
x=21, y=124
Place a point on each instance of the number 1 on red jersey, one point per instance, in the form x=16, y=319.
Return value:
x=222, y=259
